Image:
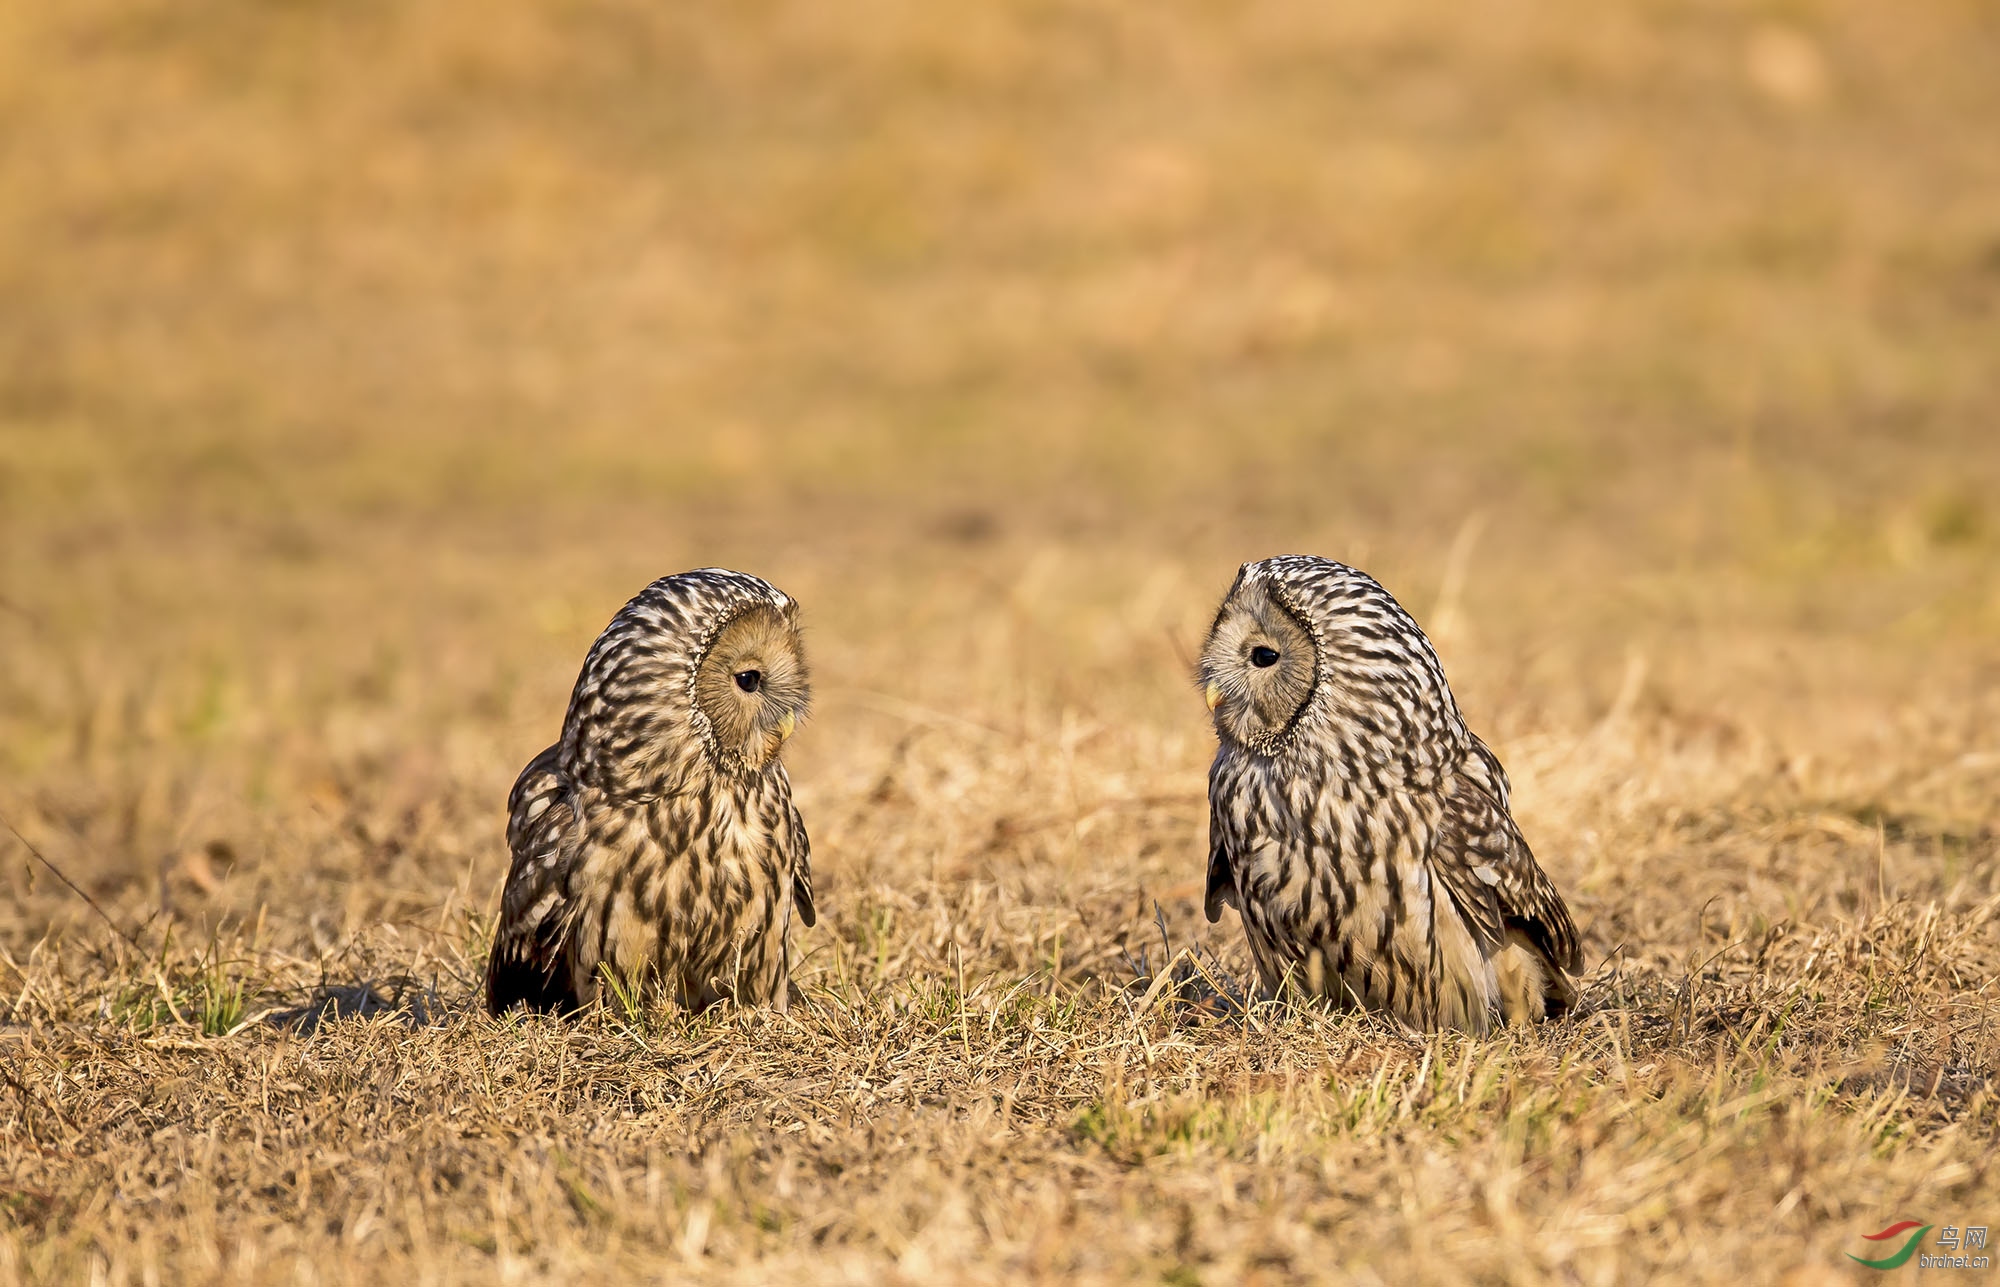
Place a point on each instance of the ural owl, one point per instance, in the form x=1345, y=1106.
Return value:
x=657, y=840
x=1361, y=830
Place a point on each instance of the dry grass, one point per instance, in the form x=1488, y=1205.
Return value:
x=357, y=361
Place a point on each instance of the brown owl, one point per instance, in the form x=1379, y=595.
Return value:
x=657, y=841
x=1361, y=830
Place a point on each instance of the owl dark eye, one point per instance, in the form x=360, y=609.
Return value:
x=1262, y=657
x=749, y=680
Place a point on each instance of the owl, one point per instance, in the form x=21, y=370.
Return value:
x=1356, y=824
x=656, y=844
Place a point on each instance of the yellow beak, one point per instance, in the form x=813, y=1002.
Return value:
x=1213, y=695
x=787, y=725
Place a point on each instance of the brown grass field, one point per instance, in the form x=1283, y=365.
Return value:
x=358, y=360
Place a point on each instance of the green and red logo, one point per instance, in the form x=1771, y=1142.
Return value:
x=1896, y=1259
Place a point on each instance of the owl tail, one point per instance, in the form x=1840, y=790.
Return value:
x=516, y=978
x=1532, y=988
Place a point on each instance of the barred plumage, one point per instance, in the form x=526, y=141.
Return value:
x=1361, y=830
x=658, y=840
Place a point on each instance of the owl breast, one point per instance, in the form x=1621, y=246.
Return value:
x=1337, y=898
x=685, y=894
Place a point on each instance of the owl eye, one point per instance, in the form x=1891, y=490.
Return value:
x=1262, y=657
x=749, y=680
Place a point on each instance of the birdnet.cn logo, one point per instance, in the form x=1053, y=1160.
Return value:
x=1962, y=1250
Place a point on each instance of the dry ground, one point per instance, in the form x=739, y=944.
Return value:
x=358, y=360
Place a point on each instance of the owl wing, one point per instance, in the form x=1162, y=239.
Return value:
x=1221, y=869
x=1484, y=767
x=527, y=965
x=796, y=847
x=1492, y=876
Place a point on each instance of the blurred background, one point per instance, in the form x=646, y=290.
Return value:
x=358, y=360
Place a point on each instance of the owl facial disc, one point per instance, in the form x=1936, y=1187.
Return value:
x=752, y=685
x=1258, y=668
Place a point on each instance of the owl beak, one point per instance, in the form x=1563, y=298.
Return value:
x=787, y=725
x=1212, y=695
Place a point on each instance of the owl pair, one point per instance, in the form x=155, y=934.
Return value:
x=1359, y=828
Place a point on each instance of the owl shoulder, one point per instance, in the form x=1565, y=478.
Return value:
x=538, y=788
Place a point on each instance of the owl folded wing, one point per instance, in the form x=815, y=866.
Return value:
x=527, y=965
x=1485, y=769
x=796, y=848
x=1221, y=871
x=1484, y=864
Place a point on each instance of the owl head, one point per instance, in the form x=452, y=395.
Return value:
x=1305, y=649
x=750, y=685
x=702, y=672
